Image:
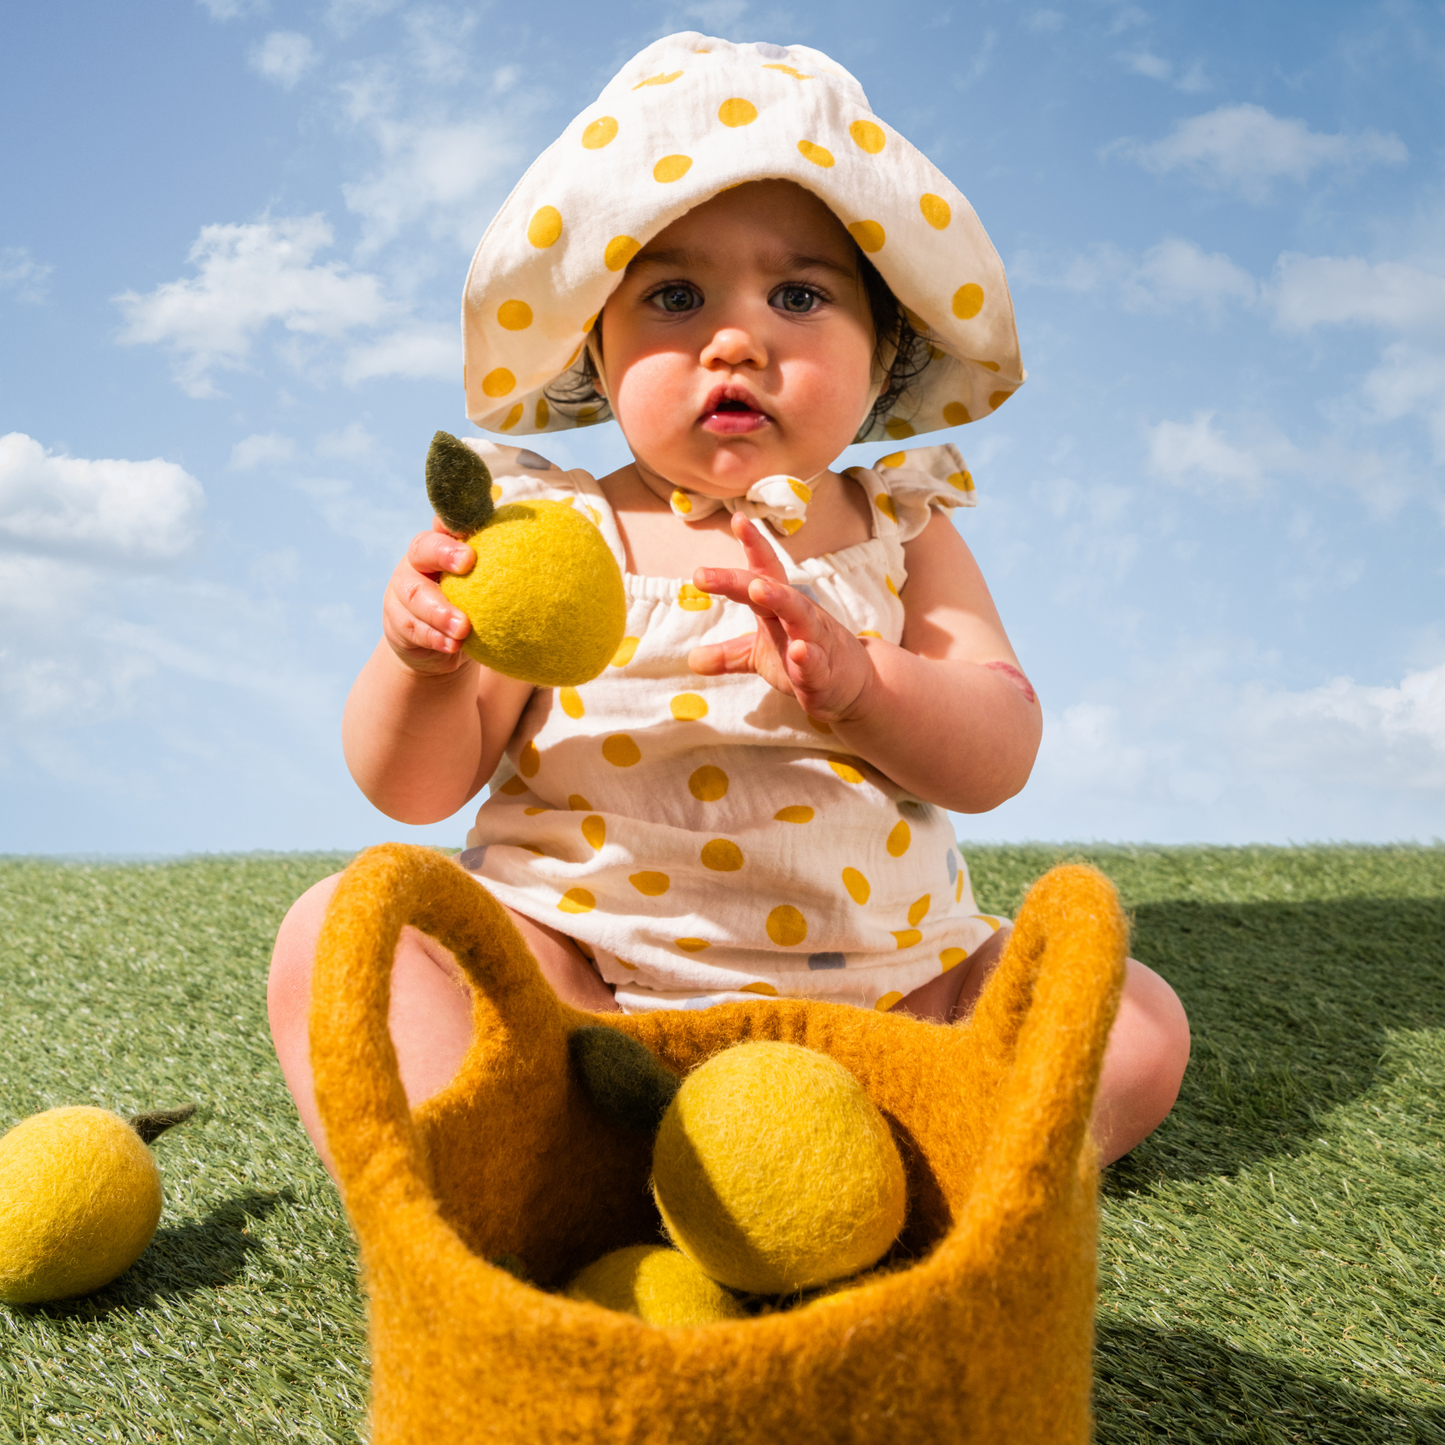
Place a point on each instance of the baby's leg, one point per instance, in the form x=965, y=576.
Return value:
x=1143, y=1064
x=431, y=1005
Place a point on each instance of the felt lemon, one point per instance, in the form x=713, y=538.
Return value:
x=545, y=598
x=774, y=1170
x=657, y=1284
x=80, y=1198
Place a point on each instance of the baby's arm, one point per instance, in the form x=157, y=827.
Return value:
x=948, y=715
x=425, y=725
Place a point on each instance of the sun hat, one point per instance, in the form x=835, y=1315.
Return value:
x=686, y=118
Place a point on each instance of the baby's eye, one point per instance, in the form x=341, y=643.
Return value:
x=797, y=299
x=676, y=298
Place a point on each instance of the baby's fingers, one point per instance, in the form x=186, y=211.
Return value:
x=728, y=582
x=436, y=552
x=718, y=658
x=761, y=557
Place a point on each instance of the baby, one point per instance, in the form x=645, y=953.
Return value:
x=734, y=258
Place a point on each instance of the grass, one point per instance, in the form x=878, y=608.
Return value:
x=1272, y=1262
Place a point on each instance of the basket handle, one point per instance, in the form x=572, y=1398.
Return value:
x=359, y=1094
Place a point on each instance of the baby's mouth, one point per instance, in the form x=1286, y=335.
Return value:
x=731, y=412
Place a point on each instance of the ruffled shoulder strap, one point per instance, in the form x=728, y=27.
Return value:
x=521, y=475
x=903, y=486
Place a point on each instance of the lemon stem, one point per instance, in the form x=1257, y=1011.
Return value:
x=152, y=1124
x=458, y=485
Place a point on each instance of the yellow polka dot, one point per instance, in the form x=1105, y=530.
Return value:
x=817, y=724
x=587, y=325
x=893, y=459
x=993, y=923
x=529, y=760
x=625, y=652
x=587, y=415
x=956, y=414
x=578, y=803
x=577, y=900
x=544, y=227
x=681, y=502
x=788, y=70
x=515, y=316
x=800, y=490
x=884, y=503
x=918, y=909
x=997, y=399
x=786, y=926
x=597, y=135
x=620, y=250
x=815, y=153
x=594, y=830
x=958, y=887
x=887, y=1001
x=622, y=961
x=988, y=365
x=962, y=480
x=666, y=78
x=688, y=707
x=898, y=429
x=868, y=234
x=891, y=586
x=857, y=885
x=867, y=136
x=691, y=600
x=654, y=885
x=512, y=417
x=514, y=787
x=968, y=301
x=571, y=701
x=898, y=841
x=671, y=168
x=496, y=492
x=868, y=632
x=766, y=989
x=532, y=812
x=621, y=751
x=498, y=382
x=908, y=938
x=529, y=848
x=542, y=413
x=791, y=525
x=846, y=768
x=722, y=855
x=691, y=945
x=951, y=958
x=736, y=112
x=708, y=784
x=795, y=813
x=936, y=211
x=936, y=353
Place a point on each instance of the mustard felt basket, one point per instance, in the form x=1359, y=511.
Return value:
x=987, y=1337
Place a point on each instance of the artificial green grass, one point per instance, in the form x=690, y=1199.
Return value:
x=1272, y=1263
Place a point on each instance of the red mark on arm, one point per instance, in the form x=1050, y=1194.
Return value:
x=1015, y=677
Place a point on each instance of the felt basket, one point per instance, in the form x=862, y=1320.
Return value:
x=985, y=1332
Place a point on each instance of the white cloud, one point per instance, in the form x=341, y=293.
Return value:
x=422, y=350
x=1045, y=22
x=1196, y=451
x=283, y=57
x=250, y=276
x=120, y=509
x=1312, y=291
x=353, y=440
x=1410, y=381
x=1245, y=149
x=1155, y=67
x=224, y=10
x=22, y=274
x=261, y=449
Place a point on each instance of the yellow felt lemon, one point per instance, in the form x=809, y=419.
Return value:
x=80, y=1198
x=545, y=598
x=774, y=1170
x=659, y=1285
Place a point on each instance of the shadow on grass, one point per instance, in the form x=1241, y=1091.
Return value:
x=1290, y=1006
x=180, y=1260
x=1182, y=1386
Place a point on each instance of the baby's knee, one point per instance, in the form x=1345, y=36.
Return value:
x=1158, y=1037
x=288, y=986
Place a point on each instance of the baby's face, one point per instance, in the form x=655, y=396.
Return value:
x=740, y=342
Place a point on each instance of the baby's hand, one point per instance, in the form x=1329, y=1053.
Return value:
x=798, y=648
x=422, y=628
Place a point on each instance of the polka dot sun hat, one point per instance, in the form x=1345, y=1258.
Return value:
x=684, y=119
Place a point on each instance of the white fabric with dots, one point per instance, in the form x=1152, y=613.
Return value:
x=699, y=835
x=685, y=119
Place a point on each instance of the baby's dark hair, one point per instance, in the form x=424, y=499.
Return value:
x=900, y=349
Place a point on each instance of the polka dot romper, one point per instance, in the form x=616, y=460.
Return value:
x=700, y=836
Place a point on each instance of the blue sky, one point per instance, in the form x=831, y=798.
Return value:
x=232, y=247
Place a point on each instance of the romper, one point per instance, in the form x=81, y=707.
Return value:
x=699, y=836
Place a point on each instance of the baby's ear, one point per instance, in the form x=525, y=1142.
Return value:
x=622, y=1077
x=458, y=485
